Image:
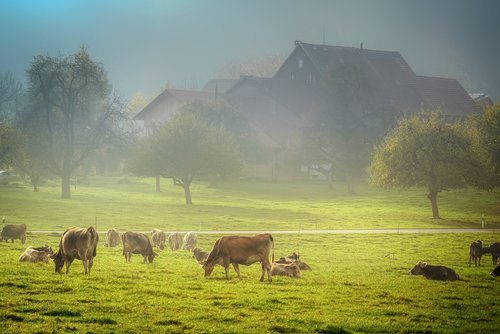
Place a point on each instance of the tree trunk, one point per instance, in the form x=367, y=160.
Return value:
x=187, y=193
x=158, y=186
x=432, y=195
x=66, y=185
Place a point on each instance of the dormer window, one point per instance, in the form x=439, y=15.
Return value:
x=301, y=63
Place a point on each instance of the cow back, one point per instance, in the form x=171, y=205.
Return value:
x=78, y=241
x=242, y=249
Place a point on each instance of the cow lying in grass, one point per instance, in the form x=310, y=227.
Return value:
x=434, y=272
x=36, y=254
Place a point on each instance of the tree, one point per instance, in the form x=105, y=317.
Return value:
x=186, y=147
x=220, y=114
x=10, y=94
x=424, y=151
x=10, y=143
x=79, y=112
x=485, y=130
x=340, y=141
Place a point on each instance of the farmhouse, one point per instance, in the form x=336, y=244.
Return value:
x=316, y=79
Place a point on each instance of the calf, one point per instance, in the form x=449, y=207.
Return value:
x=238, y=250
x=36, y=254
x=199, y=255
x=434, y=272
x=284, y=269
x=112, y=238
x=12, y=231
x=76, y=243
x=175, y=241
x=158, y=238
x=190, y=240
x=299, y=263
x=137, y=243
x=475, y=252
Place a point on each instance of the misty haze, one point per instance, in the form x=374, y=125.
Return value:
x=249, y=167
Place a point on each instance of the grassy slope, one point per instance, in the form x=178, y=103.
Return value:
x=239, y=206
x=359, y=282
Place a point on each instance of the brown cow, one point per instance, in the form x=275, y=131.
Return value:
x=175, y=241
x=285, y=269
x=434, y=272
x=494, y=250
x=12, y=231
x=137, y=243
x=290, y=260
x=36, y=254
x=238, y=250
x=112, y=238
x=190, y=240
x=475, y=252
x=158, y=238
x=76, y=243
x=199, y=255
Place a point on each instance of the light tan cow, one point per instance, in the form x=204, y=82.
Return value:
x=112, y=238
x=190, y=241
x=76, y=243
x=175, y=241
x=285, y=269
x=238, y=250
x=36, y=254
x=158, y=238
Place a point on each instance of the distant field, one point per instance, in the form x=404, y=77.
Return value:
x=132, y=204
x=358, y=283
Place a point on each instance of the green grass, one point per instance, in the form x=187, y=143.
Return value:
x=359, y=282
x=241, y=206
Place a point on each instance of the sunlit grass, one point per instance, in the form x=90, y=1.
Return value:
x=359, y=283
x=132, y=203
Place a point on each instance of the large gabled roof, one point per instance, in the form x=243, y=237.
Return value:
x=447, y=95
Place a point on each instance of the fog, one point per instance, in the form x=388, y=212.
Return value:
x=145, y=44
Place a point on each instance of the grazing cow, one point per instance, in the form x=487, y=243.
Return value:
x=190, y=240
x=199, y=255
x=238, y=250
x=137, y=243
x=496, y=271
x=475, y=252
x=494, y=250
x=112, y=238
x=434, y=272
x=158, y=238
x=285, y=269
x=36, y=254
x=12, y=231
x=76, y=243
x=175, y=241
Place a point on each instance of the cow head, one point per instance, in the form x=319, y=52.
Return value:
x=152, y=256
x=417, y=270
x=58, y=261
x=208, y=267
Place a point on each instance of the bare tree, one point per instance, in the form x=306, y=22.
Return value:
x=78, y=110
x=10, y=93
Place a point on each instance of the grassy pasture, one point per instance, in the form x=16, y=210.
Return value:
x=132, y=203
x=359, y=282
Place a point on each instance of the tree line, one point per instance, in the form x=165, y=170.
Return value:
x=69, y=116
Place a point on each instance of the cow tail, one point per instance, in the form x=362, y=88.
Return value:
x=272, y=241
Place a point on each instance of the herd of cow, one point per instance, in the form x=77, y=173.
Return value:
x=81, y=244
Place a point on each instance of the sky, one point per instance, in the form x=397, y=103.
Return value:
x=144, y=45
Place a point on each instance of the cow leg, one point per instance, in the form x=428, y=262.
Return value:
x=68, y=264
x=237, y=269
x=266, y=267
x=91, y=263
x=85, y=265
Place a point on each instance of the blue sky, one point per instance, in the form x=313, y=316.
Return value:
x=145, y=44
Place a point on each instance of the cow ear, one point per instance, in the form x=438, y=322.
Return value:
x=424, y=264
